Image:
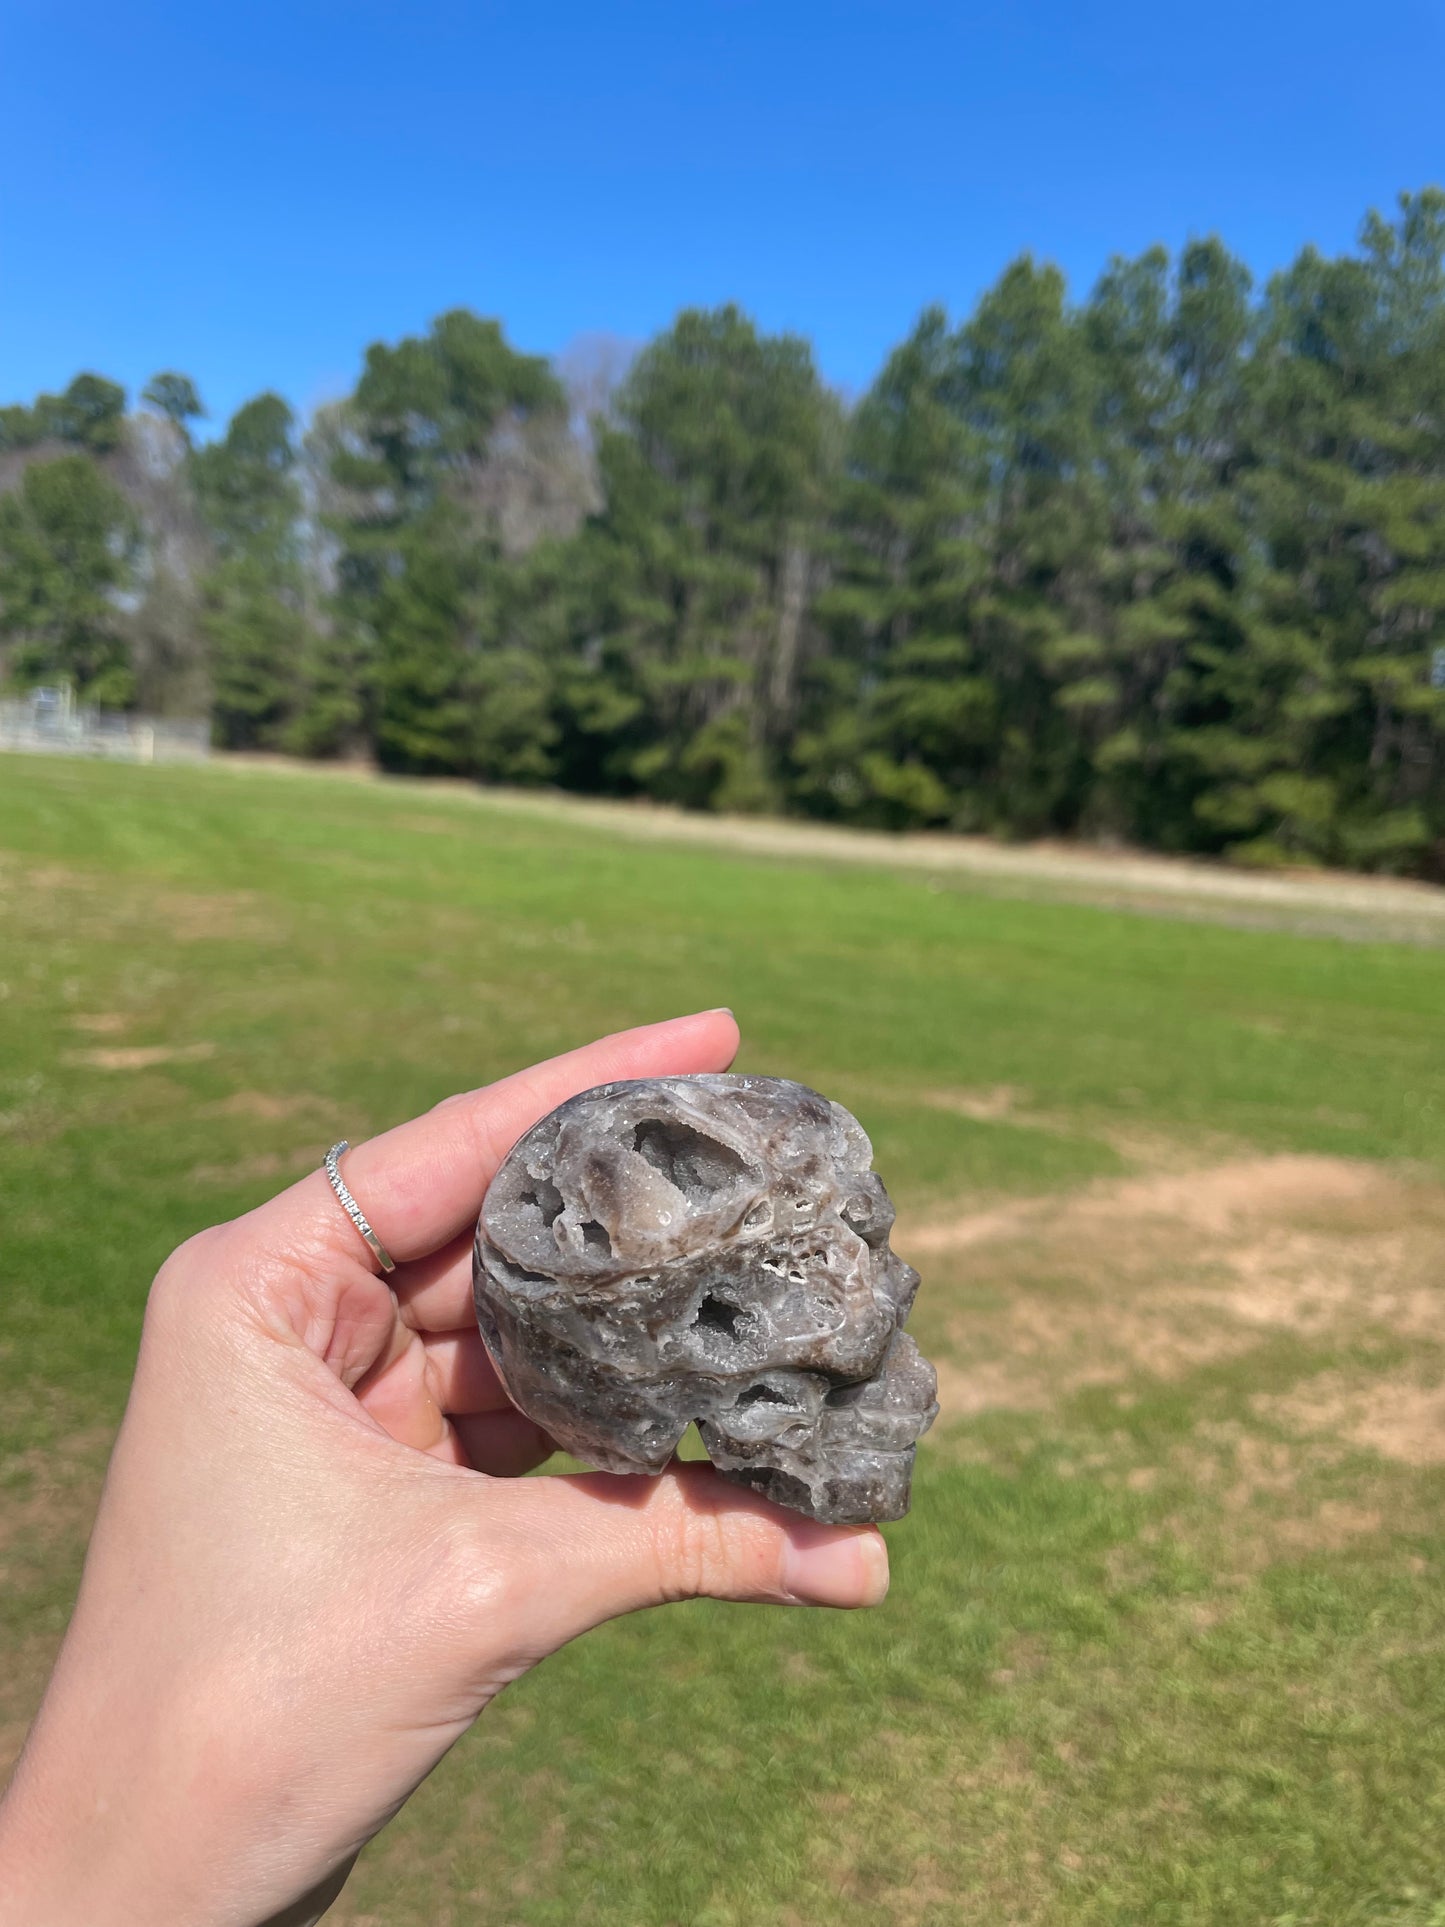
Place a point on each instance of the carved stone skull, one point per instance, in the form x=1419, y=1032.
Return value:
x=709, y=1248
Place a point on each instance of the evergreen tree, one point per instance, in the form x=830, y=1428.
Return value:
x=421, y=565
x=900, y=720
x=174, y=398
x=253, y=598
x=67, y=552
x=700, y=565
x=89, y=415
x=1171, y=352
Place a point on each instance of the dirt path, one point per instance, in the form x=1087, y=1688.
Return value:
x=1330, y=903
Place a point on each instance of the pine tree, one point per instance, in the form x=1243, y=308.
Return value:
x=421, y=563
x=67, y=552
x=254, y=597
x=899, y=721
x=700, y=564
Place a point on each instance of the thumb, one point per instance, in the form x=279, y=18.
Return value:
x=593, y=1545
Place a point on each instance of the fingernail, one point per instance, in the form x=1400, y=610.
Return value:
x=851, y=1571
x=719, y=1010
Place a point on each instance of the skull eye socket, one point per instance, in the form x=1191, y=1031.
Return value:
x=697, y=1166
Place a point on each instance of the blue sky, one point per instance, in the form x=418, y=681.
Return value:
x=252, y=193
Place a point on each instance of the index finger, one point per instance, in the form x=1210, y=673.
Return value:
x=423, y=1182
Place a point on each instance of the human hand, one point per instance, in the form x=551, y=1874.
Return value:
x=313, y=1565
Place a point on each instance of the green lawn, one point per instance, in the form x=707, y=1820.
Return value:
x=1166, y=1640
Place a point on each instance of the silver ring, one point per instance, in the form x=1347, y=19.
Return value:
x=352, y=1209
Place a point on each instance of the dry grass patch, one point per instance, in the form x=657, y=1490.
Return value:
x=267, y=1107
x=265, y=1164
x=1143, y=1146
x=193, y=916
x=105, y=1023
x=75, y=901
x=1247, y=1500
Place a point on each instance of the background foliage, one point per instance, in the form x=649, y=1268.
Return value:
x=1167, y=566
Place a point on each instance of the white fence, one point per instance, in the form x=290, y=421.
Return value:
x=50, y=722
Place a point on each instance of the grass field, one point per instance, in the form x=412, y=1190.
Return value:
x=1166, y=1640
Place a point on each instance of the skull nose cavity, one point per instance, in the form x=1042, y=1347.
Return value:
x=716, y=1314
x=763, y=1394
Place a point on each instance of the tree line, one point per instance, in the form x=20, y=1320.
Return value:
x=1165, y=566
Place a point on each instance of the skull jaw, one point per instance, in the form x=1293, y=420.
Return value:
x=859, y=1488
x=846, y=1466
x=567, y=1394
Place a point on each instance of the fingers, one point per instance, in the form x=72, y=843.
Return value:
x=439, y=1392
x=422, y=1183
x=441, y=1373
x=594, y=1546
x=435, y=1292
x=460, y=1376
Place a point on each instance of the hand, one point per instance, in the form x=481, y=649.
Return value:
x=313, y=1565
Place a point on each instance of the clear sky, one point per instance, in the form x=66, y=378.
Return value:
x=251, y=193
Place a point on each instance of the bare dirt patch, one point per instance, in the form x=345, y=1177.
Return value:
x=1213, y=1198
x=49, y=1490
x=987, y=1105
x=1164, y=1273
x=430, y=825
x=140, y=1057
x=61, y=897
x=1394, y=1416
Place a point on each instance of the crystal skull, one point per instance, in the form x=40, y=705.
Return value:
x=709, y=1248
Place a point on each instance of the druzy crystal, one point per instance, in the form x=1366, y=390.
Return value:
x=709, y=1248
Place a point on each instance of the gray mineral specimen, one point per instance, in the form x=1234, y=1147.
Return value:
x=709, y=1248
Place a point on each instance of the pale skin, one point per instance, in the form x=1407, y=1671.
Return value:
x=314, y=1563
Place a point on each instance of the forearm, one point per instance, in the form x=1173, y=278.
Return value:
x=76, y=1848
x=66, y=1862
x=121, y=1813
